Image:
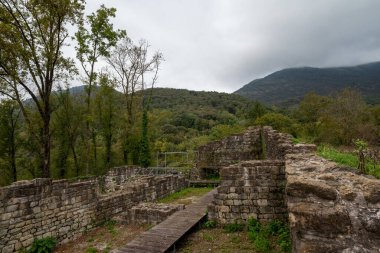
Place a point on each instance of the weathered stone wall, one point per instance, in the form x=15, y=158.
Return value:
x=64, y=210
x=41, y=208
x=331, y=208
x=250, y=189
x=231, y=150
x=275, y=144
x=148, y=188
x=256, y=143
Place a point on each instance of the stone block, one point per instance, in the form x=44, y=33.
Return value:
x=301, y=187
x=8, y=249
x=237, y=202
x=262, y=202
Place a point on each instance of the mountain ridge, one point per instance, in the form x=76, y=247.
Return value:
x=288, y=86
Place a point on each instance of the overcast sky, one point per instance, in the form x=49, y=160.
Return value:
x=220, y=45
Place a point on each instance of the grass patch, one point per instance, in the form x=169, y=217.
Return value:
x=337, y=156
x=110, y=224
x=269, y=236
x=235, y=239
x=208, y=237
x=91, y=250
x=233, y=227
x=185, y=193
x=348, y=159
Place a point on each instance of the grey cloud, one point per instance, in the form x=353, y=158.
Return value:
x=223, y=44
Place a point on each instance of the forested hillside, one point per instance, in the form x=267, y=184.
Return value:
x=289, y=86
x=177, y=120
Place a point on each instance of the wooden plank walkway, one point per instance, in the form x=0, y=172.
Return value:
x=163, y=236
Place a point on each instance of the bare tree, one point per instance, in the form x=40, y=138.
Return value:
x=134, y=71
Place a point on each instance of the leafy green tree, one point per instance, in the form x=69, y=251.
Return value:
x=67, y=129
x=256, y=111
x=9, y=131
x=279, y=122
x=375, y=111
x=32, y=34
x=221, y=131
x=106, y=115
x=144, y=158
x=95, y=38
x=346, y=118
x=309, y=112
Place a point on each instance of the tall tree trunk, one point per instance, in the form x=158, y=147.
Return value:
x=93, y=138
x=46, y=147
x=13, y=158
x=46, y=137
x=75, y=159
x=108, y=150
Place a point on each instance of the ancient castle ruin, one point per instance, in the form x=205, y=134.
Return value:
x=264, y=175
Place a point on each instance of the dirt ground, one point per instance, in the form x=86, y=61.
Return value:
x=216, y=240
x=103, y=239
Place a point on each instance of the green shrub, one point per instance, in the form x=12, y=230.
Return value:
x=111, y=226
x=284, y=239
x=254, y=226
x=45, y=245
x=233, y=227
x=262, y=235
x=279, y=122
x=91, y=250
x=275, y=226
x=210, y=224
x=262, y=243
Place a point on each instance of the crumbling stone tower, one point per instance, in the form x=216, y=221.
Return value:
x=264, y=175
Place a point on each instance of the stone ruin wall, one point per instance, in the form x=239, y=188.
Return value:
x=231, y=150
x=329, y=208
x=254, y=144
x=43, y=207
x=250, y=189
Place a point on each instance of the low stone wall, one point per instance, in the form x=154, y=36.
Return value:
x=250, y=189
x=150, y=213
x=64, y=210
x=149, y=188
x=331, y=208
x=41, y=208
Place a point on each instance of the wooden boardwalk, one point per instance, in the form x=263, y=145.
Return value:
x=163, y=236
